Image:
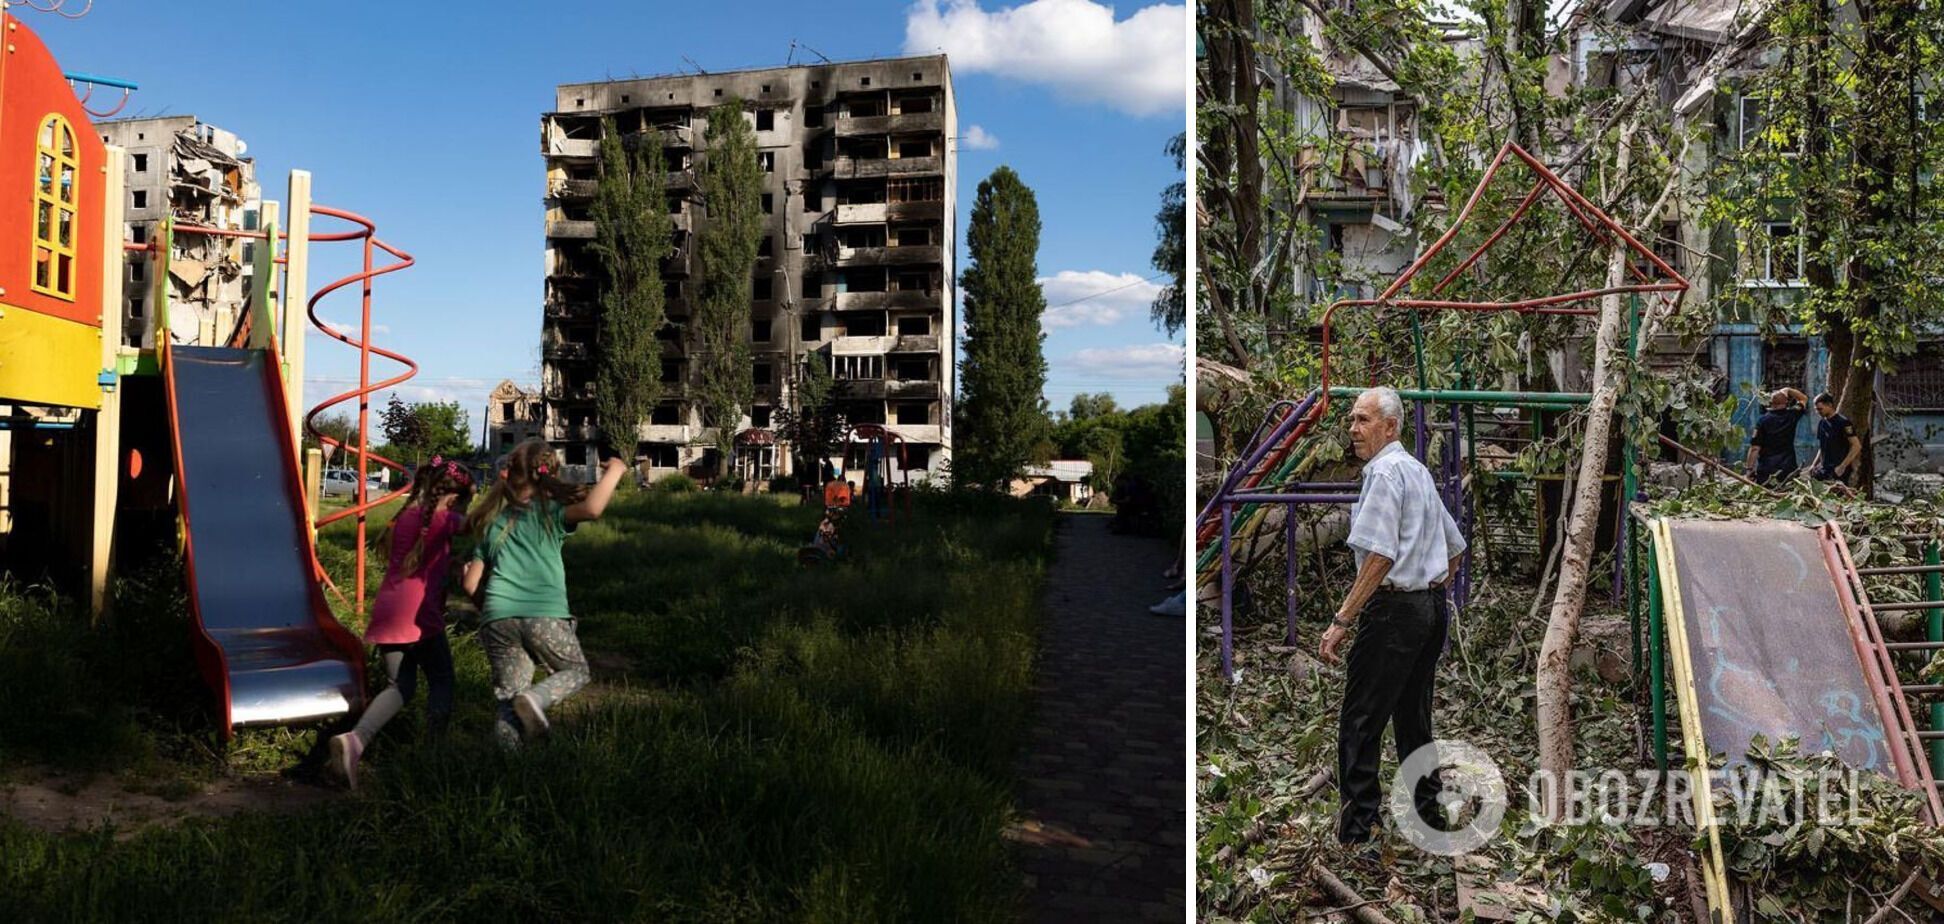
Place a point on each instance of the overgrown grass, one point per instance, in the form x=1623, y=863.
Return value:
x=762, y=742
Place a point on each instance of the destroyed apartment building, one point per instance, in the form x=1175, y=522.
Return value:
x=1688, y=58
x=180, y=168
x=1363, y=146
x=855, y=270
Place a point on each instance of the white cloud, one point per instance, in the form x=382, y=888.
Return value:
x=1137, y=65
x=1138, y=362
x=978, y=139
x=348, y=328
x=1108, y=297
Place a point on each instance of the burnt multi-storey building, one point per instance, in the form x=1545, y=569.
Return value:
x=182, y=168
x=855, y=270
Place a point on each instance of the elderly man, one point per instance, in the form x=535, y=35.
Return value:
x=1406, y=546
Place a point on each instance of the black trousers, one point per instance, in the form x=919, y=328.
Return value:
x=1388, y=679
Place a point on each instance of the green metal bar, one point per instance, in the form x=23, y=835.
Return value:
x=1934, y=590
x=1563, y=399
x=1656, y=661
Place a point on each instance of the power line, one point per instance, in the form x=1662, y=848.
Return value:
x=1109, y=291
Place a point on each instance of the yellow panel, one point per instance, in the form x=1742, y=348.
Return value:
x=48, y=360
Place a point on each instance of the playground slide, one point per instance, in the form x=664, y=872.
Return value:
x=267, y=642
x=1766, y=638
x=1771, y=645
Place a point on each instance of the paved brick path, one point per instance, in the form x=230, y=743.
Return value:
x=1103, y=798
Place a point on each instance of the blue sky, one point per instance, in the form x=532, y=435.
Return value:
x=428, y=123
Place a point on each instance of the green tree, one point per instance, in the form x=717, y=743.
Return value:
x=631, y=236
x=815, y=422
x=1836, y=146
x=1088, y=406
x=445, y=430
x=1170, y=308
x=401, y=424
x=731, y=192
x=1002, y=416
x=1102, y=446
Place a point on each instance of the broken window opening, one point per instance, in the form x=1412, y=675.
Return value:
x=811, y=329
x=914, y=149
x=759, y=374
x=769, y=203
x=857, y=368
x=812, y=285
x=140, y=198
x=869, y=324
x=666, y=415
x=813, y=117
x=766, y=160
x=759, y=416
x=912, y=370
x=914, y=326
x=759, y=331
x=919, y=236
x=764, y=246
x=141, y=163
x=765, y=118
x=916, y=415
x=759, y=289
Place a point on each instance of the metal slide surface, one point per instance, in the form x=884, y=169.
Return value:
x=281, y=656
x=1771, y=644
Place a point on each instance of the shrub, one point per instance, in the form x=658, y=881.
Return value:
x=675, y=483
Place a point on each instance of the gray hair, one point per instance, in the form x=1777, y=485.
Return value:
x=1388, y=403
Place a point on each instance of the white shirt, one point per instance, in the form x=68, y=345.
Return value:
x=1399, y=515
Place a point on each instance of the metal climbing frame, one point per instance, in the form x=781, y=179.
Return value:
x=1268, y=471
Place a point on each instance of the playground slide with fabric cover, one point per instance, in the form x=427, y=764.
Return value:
x=266, y=641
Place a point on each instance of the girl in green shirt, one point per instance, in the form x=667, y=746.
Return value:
x=520, y=526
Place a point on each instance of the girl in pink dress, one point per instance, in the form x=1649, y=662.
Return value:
x=408, y=616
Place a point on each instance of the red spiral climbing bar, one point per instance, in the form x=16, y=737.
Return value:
x=366, y=234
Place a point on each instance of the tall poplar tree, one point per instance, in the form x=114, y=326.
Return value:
x=631, y=236
x=1002, y=415
x=732, y=186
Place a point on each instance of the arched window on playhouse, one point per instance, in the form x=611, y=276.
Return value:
x=57, y=173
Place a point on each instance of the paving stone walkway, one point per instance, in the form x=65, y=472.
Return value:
x=1103, y=798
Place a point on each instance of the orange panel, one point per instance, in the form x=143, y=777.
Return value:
x=31, y=89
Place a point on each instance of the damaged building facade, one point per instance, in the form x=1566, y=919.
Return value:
x=1686, y=57
x=1363, y=145
x=181, y=168
x=513, y=416
x=855, y=271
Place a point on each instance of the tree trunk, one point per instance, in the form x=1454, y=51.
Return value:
x=1555, y=682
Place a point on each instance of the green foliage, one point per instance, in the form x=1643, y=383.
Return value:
x=401, y=424
x=815, y=426
x=446, y=430
x=1170, y=309
x=845, y=740
x=674, y=483
x=421, y=430
x=732, y=185
x=1089, y=406
x=1001, y=414
x=631, y=237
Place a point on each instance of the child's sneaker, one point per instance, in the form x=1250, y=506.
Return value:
x=532, y=717
x=346, y=750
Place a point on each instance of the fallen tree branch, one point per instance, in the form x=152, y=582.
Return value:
x=1354, y=903
x=1890, y=905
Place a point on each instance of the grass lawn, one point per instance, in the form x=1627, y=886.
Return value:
x=761, y=741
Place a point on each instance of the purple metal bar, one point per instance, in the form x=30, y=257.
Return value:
x=1228, y=595
x=1258, y=449
x=1418, y=434
x=1289, y=585
x=1291, y=499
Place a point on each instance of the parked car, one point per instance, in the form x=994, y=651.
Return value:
x=343, y=482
